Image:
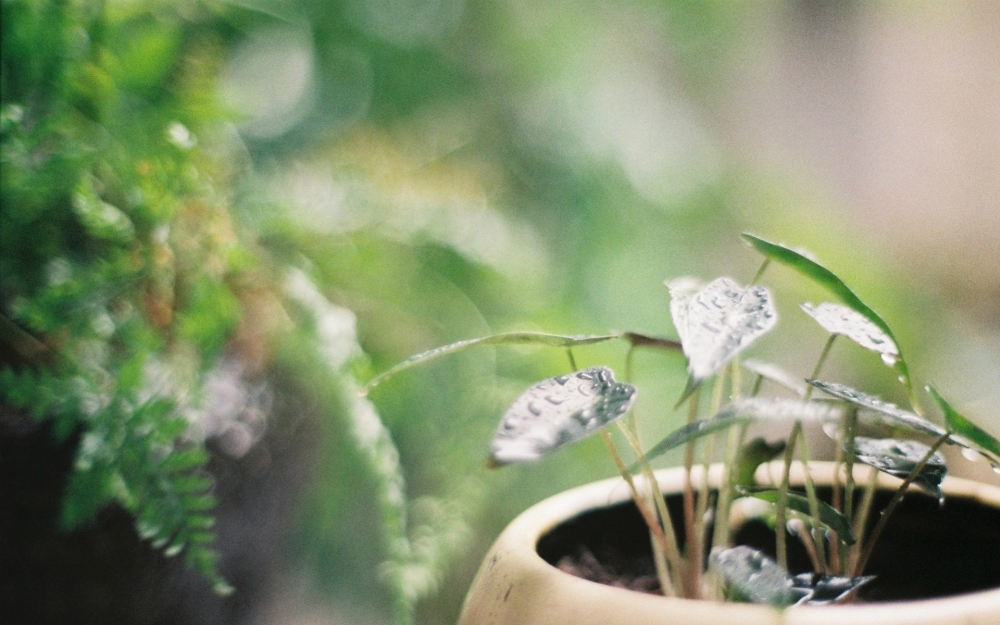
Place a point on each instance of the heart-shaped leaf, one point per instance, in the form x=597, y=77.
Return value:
x=967, y=433
x=558, y=411
x=506, y=338
x=837, y=319
x=775, y=374
x=898, y=458
x=718, y=322
x=826, y=589
x=828, y=515
x=887, y=412
x=750, y=576
x=827, y=279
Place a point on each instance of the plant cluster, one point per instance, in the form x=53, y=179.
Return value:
x=120, y=267
x=715, y=322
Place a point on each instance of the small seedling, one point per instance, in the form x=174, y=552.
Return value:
x=715, y=323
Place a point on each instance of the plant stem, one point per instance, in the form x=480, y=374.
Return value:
x=781, y=547
x=661, y=507
x=813, y=504
x=861, y=521
x=688, y=463
x=760, y=272
x=896, y=498
x=572, y=360
x=669, y=547
x=851, y=431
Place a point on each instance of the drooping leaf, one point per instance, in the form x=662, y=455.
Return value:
x=718, y=322
x=743, y=411
x=898, y=458
x=967, y=433
x=887, y=412
x=826, y=589
x=690, y=432
x=750, y=576
x=844, y=321
x=558, y=411
x=775, y=374
x=828, y=515
x=753, y=454
x=506, y=338
x=828, y=280
x=779, y=408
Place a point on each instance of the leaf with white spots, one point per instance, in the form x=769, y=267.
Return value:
x=898, y=458
x=718, y=322
x=844, y=321
x=884, y=411
x=558, y=411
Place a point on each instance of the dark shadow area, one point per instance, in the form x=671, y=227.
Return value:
x=926, y=551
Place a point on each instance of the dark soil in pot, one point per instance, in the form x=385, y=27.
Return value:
x=926, y=551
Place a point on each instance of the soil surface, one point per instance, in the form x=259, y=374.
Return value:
x=926, y=551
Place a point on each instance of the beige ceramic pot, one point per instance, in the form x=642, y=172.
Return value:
x=515, y=586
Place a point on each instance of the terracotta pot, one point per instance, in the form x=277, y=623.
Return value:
x=515, y=586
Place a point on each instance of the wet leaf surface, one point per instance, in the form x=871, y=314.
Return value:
x=886, y=412
x=558, y=411
x=819, y=274
x=844, y=321
x=967, y=433
x=828, y=515
x=750, y=576
x=718, y=322
x=899, y=457
x=825, y=589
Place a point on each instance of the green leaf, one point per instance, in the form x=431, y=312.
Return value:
x=828, y=515
x=887, y=412
x=753, y=454
x=558, y=411
x=740, y=412
x=750, y=576
x=507, y=338
x=827, y=279
x=775, y=374
x=967, y=433
x=718, y=322
x=843, y=321
x=898, y=458
x=690, y=432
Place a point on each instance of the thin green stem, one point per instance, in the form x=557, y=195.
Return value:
x=655, y=529
x=689, y=503
x=861, y=521
x=896, y=498
x=760, y=272
x=819, y=365
x=851, y=428
x=817, y=530
x=781, y=514
x=572, y=359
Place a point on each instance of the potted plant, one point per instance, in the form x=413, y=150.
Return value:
x=809, y=542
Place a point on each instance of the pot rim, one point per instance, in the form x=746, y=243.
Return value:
x=520, y=539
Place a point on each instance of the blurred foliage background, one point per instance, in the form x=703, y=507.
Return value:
x=219, y=219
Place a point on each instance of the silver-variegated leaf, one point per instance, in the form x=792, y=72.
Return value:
x=717, y=322
x=898, y=458
x=844, y=321
x=750, y=576
x=558, y=411
x=884, y=411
